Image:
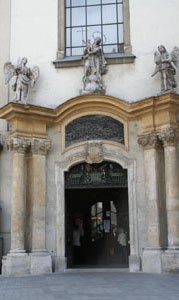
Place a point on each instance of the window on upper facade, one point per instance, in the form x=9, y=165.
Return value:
x=83, y=20
x=87, y=19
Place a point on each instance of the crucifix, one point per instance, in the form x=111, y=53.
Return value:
x=83, y=30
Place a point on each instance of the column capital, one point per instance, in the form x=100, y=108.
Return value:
x=40, y=146
x=149, y=141
x=169, y=137
x=17, y=144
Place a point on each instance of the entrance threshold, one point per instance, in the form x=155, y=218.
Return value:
x=96, y=270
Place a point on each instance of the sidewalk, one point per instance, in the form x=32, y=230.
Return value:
x=89, y=285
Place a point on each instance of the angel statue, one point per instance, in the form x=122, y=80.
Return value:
x=166, y=65
x=24, y=78
x=94, y=67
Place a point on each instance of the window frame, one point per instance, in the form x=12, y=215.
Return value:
x=62, y=61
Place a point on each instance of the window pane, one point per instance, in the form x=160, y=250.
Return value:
x=68, y=37
x=77, y=2
x=110, y=49
x=93, y=15
x=108, y=1
x=109, y=14
x=120, y=13
x=110, y=32
x=67, y=17
x=93, y=31
x=77, y=51
x=120, y=33
x=67, y=3
x=78, y=16
x=91, y=2
x=78, y=35
x=68, y=52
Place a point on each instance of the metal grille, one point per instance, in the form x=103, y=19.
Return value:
x=94, y=127
x=87, y=19
x=103, y=175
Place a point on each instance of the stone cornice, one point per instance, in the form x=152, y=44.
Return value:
x=32, y=121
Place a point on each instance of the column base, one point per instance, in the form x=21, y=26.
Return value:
x=134, y=263
x=60, y=263
x=170, y=260
x=16, y=264
x=40, y=262
x=152, y=260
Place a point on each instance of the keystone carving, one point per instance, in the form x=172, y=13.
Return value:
x=94, y=152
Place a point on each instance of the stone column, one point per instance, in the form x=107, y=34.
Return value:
x=151, y=258
x=39, y=148
x=18, y=203
x=151, y=147
x=169, y=138
x=40, y=259
x=17, y=261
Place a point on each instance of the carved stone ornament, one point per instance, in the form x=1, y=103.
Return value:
x=24, y=78
x=94, y=67
x=17, y=144
x=149, y=141
x=21, y=145
x=166, y=65
x=169, y=137
x=40, y=146
x=94, y=152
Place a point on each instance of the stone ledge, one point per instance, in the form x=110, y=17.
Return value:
x=69, y=62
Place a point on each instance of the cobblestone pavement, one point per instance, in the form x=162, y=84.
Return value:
x=90, y=285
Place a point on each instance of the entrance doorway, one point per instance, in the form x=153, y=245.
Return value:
x=97, y=219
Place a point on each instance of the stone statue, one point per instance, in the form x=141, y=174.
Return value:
x=166, y=65
x=94, y=67
x=24, y=78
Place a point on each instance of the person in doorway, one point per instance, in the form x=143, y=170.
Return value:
x=76, y=243
x=122, y=240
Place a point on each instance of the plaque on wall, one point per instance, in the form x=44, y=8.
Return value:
x=94, y=127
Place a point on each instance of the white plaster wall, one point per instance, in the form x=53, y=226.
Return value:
x=34, y=34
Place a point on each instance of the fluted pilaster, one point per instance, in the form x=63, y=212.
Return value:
x=152, y=146
x=169, y=139
x=39, y=149
x=18, y=203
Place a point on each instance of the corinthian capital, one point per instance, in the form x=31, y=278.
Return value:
x=40, y=146
x=169, y=137
x=149, y=140
x=17, y=144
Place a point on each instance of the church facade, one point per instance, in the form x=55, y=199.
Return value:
x=89, y=140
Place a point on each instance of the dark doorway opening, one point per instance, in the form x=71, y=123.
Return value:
x=100, y=218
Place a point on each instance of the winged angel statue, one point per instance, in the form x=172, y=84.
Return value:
x=24, y=78
x=166, y=65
